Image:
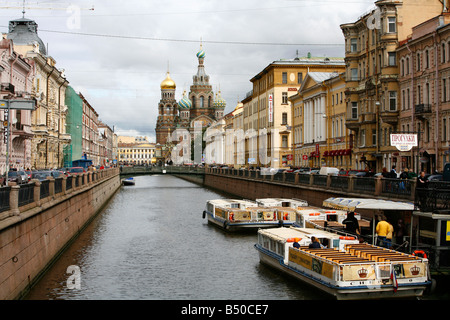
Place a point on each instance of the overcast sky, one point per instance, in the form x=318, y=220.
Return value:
x=118, y=54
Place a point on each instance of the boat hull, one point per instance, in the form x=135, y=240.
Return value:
x=341, y=293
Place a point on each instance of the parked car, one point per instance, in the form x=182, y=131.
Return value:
x=354, y=172
x=343, y=172
x=57, y=173
x=41, y=175
x=436, y=177
x=17, y=176
x=329, y=170
x=75, y=170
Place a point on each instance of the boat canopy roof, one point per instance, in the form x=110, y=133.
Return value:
x=232, y=203
x=282, y=202
x=295, y=232
x=352, y=204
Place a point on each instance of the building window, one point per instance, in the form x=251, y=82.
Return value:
x=284, y=119
x=392, y=100
x=392, y=58
x=354, y=110
x=353, y=45
x=354, y=74
x=418, y=61
x=427, y=59
x=374, y=137
x=392, y=25
x=284, y=141
x=284, y=98
x=284, y=75
x=362, y=140
x=444, y=129
x=443, y=57
x=444, y=90
x=299, y=78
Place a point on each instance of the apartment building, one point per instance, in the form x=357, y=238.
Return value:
x=424, y=84
x=270, y=109
x=372, y=87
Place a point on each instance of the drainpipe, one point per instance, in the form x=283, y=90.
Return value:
x=59, y=118
x=46, y=118
x=436, y=88
x=411, y=69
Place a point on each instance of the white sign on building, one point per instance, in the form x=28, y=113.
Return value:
x=270, y=108
x=403, y=141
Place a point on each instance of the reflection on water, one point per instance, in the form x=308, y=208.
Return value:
x=150, y=242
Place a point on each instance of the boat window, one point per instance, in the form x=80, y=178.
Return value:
x=325, y=242
x=285, y=204
x=210, y=207
x=332, y=217
x=335, y=243
x=235, y=205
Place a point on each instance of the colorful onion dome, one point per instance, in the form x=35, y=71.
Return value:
x=185, y=103
x=201, y=54
x=219, y=102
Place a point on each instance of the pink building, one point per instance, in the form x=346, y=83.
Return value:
x=16, y=77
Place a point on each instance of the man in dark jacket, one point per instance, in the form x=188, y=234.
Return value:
x=351, y=224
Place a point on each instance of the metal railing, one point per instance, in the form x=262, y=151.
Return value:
x=26, y=194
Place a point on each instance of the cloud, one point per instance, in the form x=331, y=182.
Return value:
x=120, y=76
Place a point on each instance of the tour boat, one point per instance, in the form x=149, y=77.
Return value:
x=234, y=215
x=128, y=182
x=286, y=208
x=345, y=269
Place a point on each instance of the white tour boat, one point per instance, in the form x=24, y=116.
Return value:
x=233, y=215
x=286, y=208
x=345, y=269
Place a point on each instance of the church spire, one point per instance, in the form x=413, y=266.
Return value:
x=201, y=77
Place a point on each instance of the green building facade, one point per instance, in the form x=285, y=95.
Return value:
x=74, y=126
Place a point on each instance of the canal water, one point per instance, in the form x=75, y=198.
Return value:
x=151, y=243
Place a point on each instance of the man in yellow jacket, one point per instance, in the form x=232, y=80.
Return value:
x=384, y=232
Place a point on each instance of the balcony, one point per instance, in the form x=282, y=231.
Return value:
x=422, y=110
x=18, y=129
x=390, y=117
x=353, y=123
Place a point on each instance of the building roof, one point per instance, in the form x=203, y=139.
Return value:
x=23, y=31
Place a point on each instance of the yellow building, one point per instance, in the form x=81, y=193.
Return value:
x=372, y=90
x=135, y=150
x=271, y=109
x=320, y=137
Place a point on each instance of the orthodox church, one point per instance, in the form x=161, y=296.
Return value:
x=199, y=105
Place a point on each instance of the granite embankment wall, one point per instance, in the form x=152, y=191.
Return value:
x=34, y=233
x=253, y=189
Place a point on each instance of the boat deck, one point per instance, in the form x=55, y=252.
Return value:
x=360, y=253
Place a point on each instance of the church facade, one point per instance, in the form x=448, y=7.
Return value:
x=199, y=105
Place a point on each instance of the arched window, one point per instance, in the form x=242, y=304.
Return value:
x=202, y=102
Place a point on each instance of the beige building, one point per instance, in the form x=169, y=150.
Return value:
x=16, y=76
x=49, y=85
x=372, y=88
x=269, y=107
x=320, y=137
x=424, y=84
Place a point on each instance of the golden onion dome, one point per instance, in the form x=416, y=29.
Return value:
x=168, y=83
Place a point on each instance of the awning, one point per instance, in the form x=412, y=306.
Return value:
x=352, y=204
x=325, y=153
